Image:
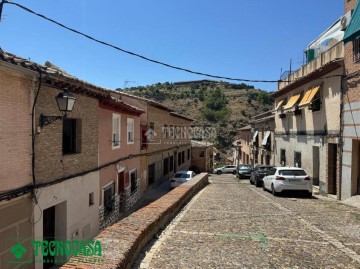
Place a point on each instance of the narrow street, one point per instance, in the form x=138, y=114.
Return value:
x=232, y=224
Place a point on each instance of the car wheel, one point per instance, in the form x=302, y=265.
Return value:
x=257, y=183
x=264, y=189
x=234, y=172
x=273, y=191
x=219, y=172
x=309, y=194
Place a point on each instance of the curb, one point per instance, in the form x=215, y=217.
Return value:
x=123, y=241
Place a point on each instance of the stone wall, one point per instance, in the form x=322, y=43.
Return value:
x=123, y=241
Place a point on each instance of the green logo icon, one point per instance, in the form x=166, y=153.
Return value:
x=18, y=251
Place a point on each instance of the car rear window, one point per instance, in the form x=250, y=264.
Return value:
x=264, y=168
x=292, y=173
x=182, y=176
x=245, y=166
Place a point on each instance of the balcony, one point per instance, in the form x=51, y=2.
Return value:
x=334, y=53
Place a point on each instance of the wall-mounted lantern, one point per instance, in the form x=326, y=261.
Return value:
x=65, y=102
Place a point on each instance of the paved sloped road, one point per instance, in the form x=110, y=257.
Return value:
x=232, y=224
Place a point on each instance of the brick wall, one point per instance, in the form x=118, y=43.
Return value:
x=50, y=161
x=16, y=91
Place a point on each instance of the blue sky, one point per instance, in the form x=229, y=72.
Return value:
x=234, y=38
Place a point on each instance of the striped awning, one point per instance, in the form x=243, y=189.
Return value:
x=292, y=101
x=309, y=96
x=279, y=104
x=255, y=135
x=353, y=30
x=266, y=137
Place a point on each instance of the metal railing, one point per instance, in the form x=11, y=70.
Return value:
x=335, y=52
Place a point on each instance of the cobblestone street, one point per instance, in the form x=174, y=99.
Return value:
x=232, y=224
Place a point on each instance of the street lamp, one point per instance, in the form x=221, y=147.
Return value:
x=65, y=102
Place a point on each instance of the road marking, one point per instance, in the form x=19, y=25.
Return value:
x=336, y=243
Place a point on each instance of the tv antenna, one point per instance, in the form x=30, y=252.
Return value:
x=126, y=83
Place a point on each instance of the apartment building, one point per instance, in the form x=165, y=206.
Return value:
x=165, y=143
x=119, y=146
x=308, y=110
x=263, y=140
x=350, y=172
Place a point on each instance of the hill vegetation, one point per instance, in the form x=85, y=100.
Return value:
x=225, y=106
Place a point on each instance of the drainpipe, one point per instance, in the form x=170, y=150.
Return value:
x=341, y=139
x=33, y=135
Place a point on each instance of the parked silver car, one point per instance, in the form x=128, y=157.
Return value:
x=226, y=169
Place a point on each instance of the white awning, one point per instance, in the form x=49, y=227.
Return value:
x=266, y=137
x=255, y=135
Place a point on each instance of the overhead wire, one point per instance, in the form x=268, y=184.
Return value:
x=136, y=54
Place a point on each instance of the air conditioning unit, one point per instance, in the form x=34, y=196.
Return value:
x=344, y=22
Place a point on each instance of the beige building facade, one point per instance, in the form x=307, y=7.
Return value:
x=307, y=119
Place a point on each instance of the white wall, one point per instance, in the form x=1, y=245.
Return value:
x=303, y=144
x=71, y=198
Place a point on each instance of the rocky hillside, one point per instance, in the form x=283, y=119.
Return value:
x=225, y=106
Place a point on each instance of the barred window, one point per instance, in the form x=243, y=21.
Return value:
x=356, y=50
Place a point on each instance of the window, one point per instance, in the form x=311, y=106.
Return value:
x=292, y=173
x=171, y=163
x=166, y=166
x=152, y=126
x=356, y=50
x=272, y=171
x=188, y=154
x=91, y=199
x=130, y=131
x=109, y=192
x=177, y=132
x=183, y=157
x=116, y=131
x=202, y=154
x=71, y=136
x=315, y=104
x=297, y=159
x=179, y=158
x=165, y=131
x=282, y=157
x=171, y=132
x=133, y=179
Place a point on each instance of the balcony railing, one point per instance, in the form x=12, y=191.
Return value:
x=335, y=52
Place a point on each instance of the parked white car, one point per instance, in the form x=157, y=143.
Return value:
x=226, y=169
x=180, y=177
x=278, y=179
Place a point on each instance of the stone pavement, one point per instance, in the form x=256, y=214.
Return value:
x=232, y=224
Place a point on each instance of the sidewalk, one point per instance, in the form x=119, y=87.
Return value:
x=353, y=201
